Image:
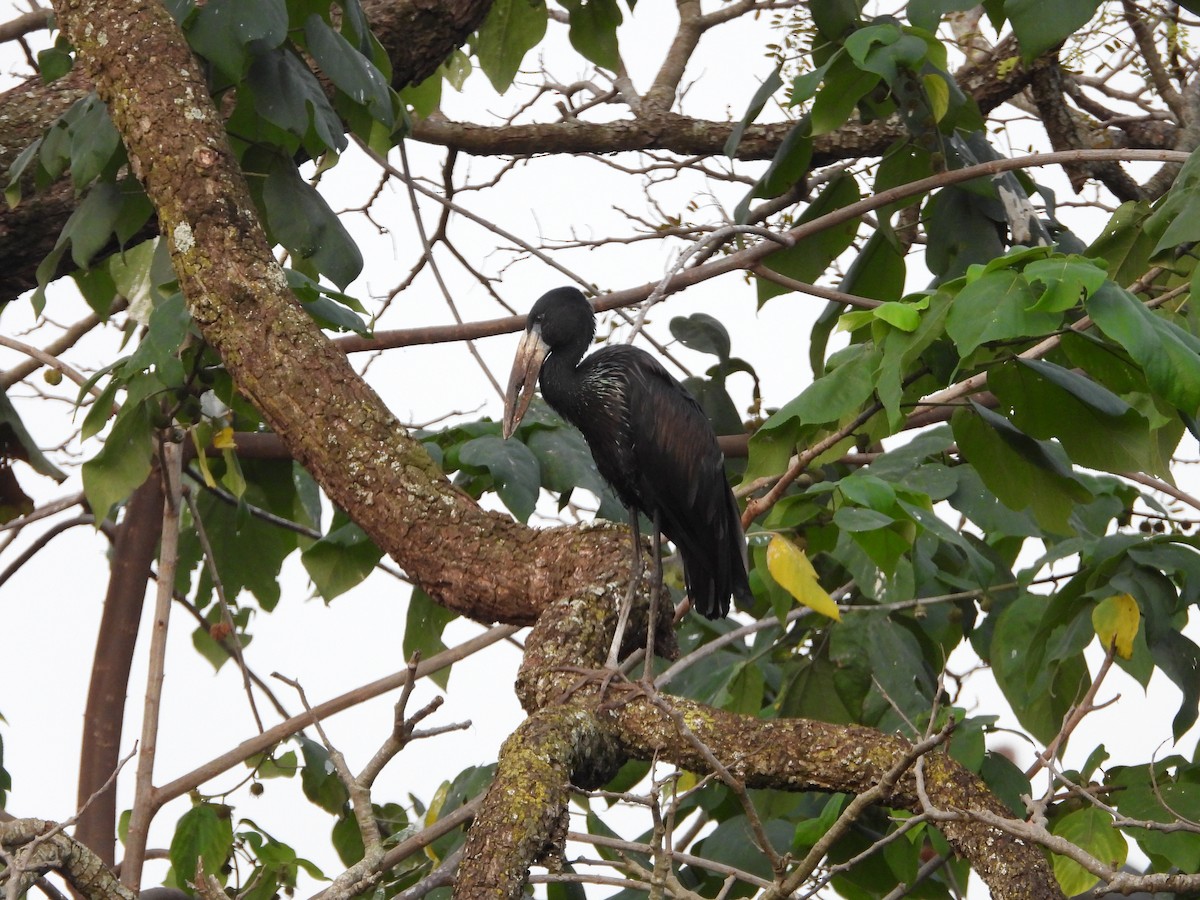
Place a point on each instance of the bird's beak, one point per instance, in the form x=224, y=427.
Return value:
x=526, y=368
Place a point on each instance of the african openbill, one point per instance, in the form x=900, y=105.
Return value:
x=650, y=440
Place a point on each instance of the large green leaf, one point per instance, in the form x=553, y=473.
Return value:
x=1169, y=355
x=1090, y=829
x=341, y=559
x=301, y=220
x=287, y=94
x=1040, y=26
x=766, y=90
x=996, y=306
x=205, y=833
x=848, y=384
x=1163, y=797
x=513, y=467
x=593, y=30
x=511, y=29
x=1041, y=684
x=123, y=463
x=566, y=463
x=423, y=629
x=320, y=782
x=353, y=74
x=222, y=31
x=1096, y=427
x=1022, y=472
x=809, y=258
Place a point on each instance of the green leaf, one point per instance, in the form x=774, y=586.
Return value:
x=996, y=307
x=19, y=443
x=340, y=560
x=286, y=93
x=1096, y=427
x=1021, y=472
x=1092, y=830
x=844, y=85
x=1039, y=26
x=703, y=333
x=53, y=63
x=94, y=141
x=511, y=29
x=877, y=271
x=160, y=346
x=353, y=74
x=566, y=463
x=247, y=551
x=765, y=91
x=329, y=308
x=928, y=13
x=1036, y=655
x=204, y=832
x=1169, y=355
x=838, y=393
x=593, y=30
x=1161, y=799
x=319, y=780
x=513, y=467
x=809, y=258
x=223, y=30
x=301, y=220
x=423, y=627
x=1125, y=243
x=123, y=463
x=1067, y=281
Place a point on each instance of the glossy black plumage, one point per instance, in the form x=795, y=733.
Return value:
x=649, y=437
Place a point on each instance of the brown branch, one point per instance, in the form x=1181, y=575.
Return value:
x=133, y=552
x=785, y=754
x=41, y=846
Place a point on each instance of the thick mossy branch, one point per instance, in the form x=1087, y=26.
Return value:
x=523, y=819
x=37, y=846
x=482, y=565
x=784, y=754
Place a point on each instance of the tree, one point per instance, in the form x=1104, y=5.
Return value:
x=986, y=461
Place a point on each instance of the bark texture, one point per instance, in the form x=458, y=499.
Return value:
x=784, y=754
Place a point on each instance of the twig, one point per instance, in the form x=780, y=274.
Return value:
x=1076, y=715
x=734, y=784
x=144, y=806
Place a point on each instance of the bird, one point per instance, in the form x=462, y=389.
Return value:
x=650, y=440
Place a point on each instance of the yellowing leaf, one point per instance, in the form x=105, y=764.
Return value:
x=939, y=95
x=199, y=435
x=223, y=439
x=1116, y=620
x=794, y=573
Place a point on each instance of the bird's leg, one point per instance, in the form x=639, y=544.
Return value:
x=635, y=580
x=655, y=590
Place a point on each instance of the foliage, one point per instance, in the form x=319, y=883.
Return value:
x=985, y=460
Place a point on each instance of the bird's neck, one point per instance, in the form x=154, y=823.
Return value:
x=560, y=381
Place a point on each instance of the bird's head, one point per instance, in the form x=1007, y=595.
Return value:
x=562, y=320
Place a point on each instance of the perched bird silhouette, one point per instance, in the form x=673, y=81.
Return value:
x=649, y=437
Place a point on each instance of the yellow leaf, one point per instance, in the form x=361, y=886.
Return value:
x=794, y=573
x=223, y=439
x=198, y=441
x=1116, y=621
x=939, y=95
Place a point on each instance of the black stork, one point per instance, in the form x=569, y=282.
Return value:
x=650, y=439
